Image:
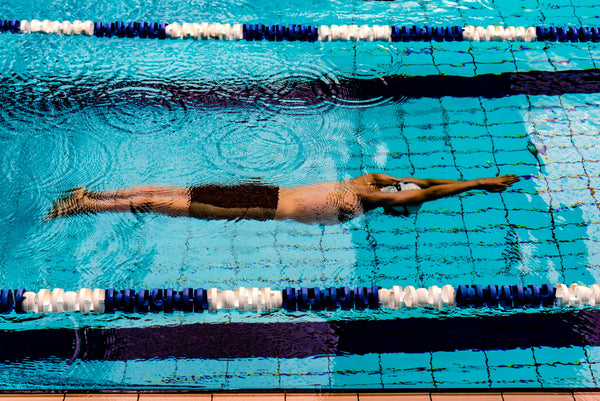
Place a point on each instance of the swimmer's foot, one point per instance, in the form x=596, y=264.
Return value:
x=498, y=184
x=77, y=201
x=87, y=193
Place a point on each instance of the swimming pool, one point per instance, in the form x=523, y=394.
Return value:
x=109, y=113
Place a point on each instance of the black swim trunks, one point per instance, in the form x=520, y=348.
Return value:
x=246, y=197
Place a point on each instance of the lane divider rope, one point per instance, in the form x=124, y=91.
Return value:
x=300, y=32
x=266, y=300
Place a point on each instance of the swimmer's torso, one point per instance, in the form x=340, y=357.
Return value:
x=328, y=203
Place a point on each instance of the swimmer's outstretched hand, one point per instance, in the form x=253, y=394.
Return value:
x=498, y=184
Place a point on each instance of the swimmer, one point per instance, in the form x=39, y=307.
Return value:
x=323, y=203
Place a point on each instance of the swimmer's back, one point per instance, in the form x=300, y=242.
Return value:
x=328, y=202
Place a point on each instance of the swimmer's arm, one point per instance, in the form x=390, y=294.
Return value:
x=426, y=182
x=416, y=196
x=382, y=180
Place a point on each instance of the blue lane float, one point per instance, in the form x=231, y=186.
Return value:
x=290, y=299
x=142, y=30
x=302, y=32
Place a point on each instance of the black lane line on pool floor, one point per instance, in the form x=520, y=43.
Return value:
x=55, y=92
x=307, y=339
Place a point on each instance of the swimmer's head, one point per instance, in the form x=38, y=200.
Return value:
x=403, y=210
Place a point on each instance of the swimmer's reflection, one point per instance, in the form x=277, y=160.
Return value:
x=324, y=203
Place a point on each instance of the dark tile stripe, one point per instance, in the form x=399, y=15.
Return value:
x=306, y=339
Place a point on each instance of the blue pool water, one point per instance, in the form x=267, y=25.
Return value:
x=109, y=113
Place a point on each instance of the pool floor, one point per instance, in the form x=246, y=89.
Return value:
x=133, y=112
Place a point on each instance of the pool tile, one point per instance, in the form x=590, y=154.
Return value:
x=512, y=368
x=419, y=54
x=497, y=67
x=468, y=145
x=200, y=373
x=392, y=275
x=483, y=212
x=518, y=357
x=527, y=5
x=419, y=70
x=317, y=397
x=594, y=51
x=554, y=170
x=542, y=396
x=505, y=117
x=460, y=368
x=480, y=14
x=453, y=53
x=577, y=62
x=531, y=219
x=362, y=371
x=394, y=397
x=467, y=116
x=593, y=353
x=37, y=397
x=174, y=397
x=578, y=272
x=466, y=396
x=428, y=108
x=422, y=149
x=473, y=160
x=513, y=144
x=101, y=397
x=402, y=370
x=250, y=373
x=563, y=153
x=456, y=70
x=305, y=373
x=535, y=64
x=583, y=396
x=149, y=372
x=564, y=355
x=567, y=375
x=105, y=373
x=432, y=219
x=514, y=377
x=239, y=397
x=455, y=240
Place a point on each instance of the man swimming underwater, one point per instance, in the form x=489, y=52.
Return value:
x=324, y=203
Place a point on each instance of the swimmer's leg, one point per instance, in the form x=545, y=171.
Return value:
x=79, y=203
x=71, y=204
x=168, y=205
x=149, y=190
